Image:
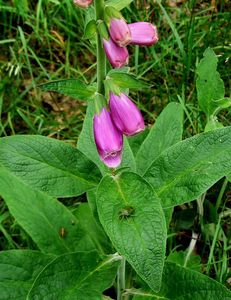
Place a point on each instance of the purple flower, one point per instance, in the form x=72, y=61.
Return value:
x=117, y=56
x=126, y=116
x=143, y=34
x=108, y=139
x=83, y=3
x=120, y=32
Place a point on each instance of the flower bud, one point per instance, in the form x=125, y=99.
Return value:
x=143, y=34
x=125, y=115
x=120, y=32
x=118, y=56
x=83, y=3
x=108, y=139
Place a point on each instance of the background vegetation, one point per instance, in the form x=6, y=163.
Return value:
x=42, y=41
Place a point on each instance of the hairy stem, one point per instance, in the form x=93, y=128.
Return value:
x=101, y=59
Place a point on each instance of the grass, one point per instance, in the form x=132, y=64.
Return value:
x=41, y=41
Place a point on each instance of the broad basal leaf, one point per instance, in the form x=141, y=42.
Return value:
x=86, y=144
x=179, y=283
x=118, y=4
x=166, y=132
x=132, y=217
x=210, y=86
x=186, y=170
x=70, y=87
x=18, y=270
x=50, y=224
x=49, y=165
x=76, y=276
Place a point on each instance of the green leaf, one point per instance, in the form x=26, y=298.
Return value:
x=210, y=86
x=180, y=283
x=136, y=141
x=186, y=170
x=118, y=4
x=85, y=217
x=166, y=132
x=18, y=270
x=124, y=80
x=179, y=258
x=43, y=217
x=86, y=144
x=132, y=217
x=49, y=165
x=80, y=275
x=90, y=30
x=70, y=87
x=213, y=124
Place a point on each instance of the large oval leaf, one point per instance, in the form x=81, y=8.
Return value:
x=180, y=283
x=132, y=217
x=166, y=132
x=76, y=276
x=50, y=224
x=18, y=270
x=49, y=165
x=186, y=170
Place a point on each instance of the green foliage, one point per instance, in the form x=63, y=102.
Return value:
x=210, y=87
x=19, y=269
x=179, y=283
x=43, y=217
x=80, y=275
x=48, y=165
x=166, y=132
x=90, y=30
x=118, y=4
x=186, y=170
x=70, y=87
x=85, y=217
x=127, y=81
x=132, y=217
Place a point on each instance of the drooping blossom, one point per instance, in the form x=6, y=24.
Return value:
x=108, y=139
x=83, y=3
x=120, y=32
x=117, y=56
x=125, y=114
x=143, y=34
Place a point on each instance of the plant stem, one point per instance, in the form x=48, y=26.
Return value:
x=220, y=196
x=121, y=277
x=101, y=59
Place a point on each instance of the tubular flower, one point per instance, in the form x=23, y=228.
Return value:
x=120, y=32
x=143, y=34
x=83, y=3
x=108, y=139
x=117, y=56
x=125, y=115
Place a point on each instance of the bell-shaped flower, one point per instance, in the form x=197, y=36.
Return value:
x=118, y=56
x=125, y=114
x=83, y=3
x=143, y=34
x=108, y=139
x=120, y=32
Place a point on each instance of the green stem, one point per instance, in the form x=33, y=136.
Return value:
x=101, y=58
x=121, y=277
x=220, y=196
